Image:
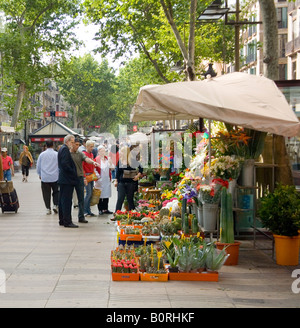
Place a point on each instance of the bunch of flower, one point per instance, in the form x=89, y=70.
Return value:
x=175, y=177
x=211, y=193
x=168, y=201
x=225, y=167
x=143, y=203
x=167, y=194
x=186, y=190
x=199, y=160
x=120, y=215
x=234, y=142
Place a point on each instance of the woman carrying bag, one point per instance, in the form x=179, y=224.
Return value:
x=26, y=162
x=128, y=173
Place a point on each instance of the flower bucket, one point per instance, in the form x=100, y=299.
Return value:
x=200, y=215
x=210, y=216
x=195, y=211
x=232, y=250
x=287, y=250
x=248, y=173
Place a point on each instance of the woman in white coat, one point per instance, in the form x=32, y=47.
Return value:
x=104, y=181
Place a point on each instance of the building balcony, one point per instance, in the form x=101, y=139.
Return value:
x=292, y=5
x=292, y=46
x=289, y=48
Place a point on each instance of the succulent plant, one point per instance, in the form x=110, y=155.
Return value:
x=215, y=258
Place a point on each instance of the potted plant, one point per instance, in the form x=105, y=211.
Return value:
x=227, y=229
x=210, y=198
x=279, y=211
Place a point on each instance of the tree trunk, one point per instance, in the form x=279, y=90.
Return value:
x=270, y=48
x=191, y=51
x=187, y=54
x=270, y=42
x=18, y=105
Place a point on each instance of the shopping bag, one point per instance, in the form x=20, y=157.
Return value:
x=95, y=196
x=91, y=177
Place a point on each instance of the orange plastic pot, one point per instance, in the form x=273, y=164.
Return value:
x=232, y=250
x=287, y=249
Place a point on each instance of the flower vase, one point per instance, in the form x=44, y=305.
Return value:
x=210, y=216
x=247, y=175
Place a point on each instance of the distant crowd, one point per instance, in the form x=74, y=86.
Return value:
x=80, y=174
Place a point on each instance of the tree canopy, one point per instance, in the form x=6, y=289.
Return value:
x=164, y=31
x=37, y=34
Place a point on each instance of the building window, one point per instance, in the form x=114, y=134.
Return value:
x=282, y=71
x=251, y=52
x=294, y=70
x=282, y=40
x=282, y=17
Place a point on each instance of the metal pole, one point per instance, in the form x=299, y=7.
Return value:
x=237, y=37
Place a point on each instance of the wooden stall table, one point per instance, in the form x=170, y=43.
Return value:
x=153, y=194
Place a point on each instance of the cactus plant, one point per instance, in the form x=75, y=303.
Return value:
x=194, y=224
x=186, y=226
x=226, y=218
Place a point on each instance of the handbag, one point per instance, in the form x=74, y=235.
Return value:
x=91, y=177
x=95, y=196
x=129, y=174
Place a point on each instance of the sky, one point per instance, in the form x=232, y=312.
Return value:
x=87, y=34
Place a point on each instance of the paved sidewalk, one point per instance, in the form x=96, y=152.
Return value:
x=49, y=266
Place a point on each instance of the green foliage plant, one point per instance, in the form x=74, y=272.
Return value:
x=279, y=211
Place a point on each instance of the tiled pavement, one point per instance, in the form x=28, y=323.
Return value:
x=48, y=266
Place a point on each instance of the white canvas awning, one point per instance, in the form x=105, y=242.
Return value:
x=241, y=99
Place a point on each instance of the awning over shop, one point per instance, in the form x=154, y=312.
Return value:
x=53, y=130
x=242, y=99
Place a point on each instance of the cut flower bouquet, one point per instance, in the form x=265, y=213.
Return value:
x=225, y=167
x=211, y=193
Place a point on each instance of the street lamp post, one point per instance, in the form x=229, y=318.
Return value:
x=215, y=12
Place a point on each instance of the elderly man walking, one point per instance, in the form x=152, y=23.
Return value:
x=47, y=169
x=67, y=180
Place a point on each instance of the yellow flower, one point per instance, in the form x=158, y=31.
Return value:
x=168, y=243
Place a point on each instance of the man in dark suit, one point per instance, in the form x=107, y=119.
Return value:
x=67, y=180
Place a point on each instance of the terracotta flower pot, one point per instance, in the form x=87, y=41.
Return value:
x=232, y=250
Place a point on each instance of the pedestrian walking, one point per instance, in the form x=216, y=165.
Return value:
x=47, y=169
x=26, y=162
x=67, y=180
x=104, y=183
x=127, y=174
x=7, y=165
x=88, y=169
x=79, y=158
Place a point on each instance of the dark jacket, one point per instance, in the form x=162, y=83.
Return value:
x=66, y=166
x=120, y=171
